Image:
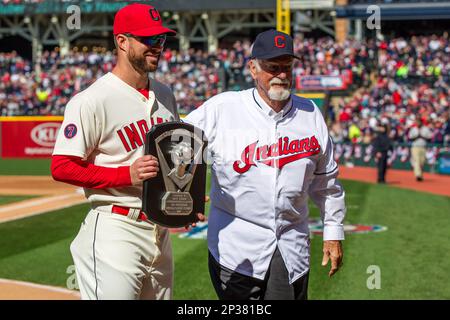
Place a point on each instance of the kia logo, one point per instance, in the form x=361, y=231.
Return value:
x=45, y=134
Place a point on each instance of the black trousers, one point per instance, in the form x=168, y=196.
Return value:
x=382, y=166
x=230, y=285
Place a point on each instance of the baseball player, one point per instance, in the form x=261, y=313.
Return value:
x=270, y=150
x=118, y=253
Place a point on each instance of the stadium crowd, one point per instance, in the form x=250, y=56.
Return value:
x=46, y=90
x=412, y=83
x=194, y=75
x=20, y=1
x=395, y=81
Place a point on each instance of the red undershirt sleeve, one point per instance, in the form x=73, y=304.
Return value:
x=75, y=171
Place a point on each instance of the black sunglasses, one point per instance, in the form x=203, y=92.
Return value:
x=152, y=41
x=275, y=68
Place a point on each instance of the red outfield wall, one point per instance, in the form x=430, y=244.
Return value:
x=28, y=137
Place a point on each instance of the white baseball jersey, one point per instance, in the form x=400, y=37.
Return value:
x=420, y=136
x=106, y=125
x=264, y=166
x=117, y=257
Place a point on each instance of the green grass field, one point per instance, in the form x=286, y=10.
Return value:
x=24, y=167
x=412, y=254
x=12, y=199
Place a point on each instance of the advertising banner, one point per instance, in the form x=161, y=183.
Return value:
x=29, y=137
x=321, y=83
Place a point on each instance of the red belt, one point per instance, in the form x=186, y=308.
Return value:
x=126, y=211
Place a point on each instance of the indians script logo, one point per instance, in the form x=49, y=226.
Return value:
x=278, y=154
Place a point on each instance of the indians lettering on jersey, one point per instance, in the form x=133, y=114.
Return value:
x=278, y=154
x=136, y=132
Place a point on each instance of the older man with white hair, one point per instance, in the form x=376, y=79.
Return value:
x=270, y=150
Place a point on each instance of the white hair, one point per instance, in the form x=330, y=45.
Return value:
x=255, y=61
x=257, y=65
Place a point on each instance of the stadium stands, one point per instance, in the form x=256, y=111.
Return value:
x=20, y=1
x=193, y=75
x=395, y=81
x=413, y=82
x=391, y=1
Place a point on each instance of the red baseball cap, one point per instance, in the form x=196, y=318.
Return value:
x=140, y=20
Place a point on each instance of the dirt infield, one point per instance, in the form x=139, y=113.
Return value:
x=18, y=290
x=31, y=185
x=53, y=196
x=432, y=183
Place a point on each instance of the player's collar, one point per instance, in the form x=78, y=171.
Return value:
x=267, y=109
x=126, y=87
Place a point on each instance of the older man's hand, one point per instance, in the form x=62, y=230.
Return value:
x=332, y=250
x=200, y=217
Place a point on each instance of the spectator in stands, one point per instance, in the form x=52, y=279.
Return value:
x=446, y=130
x=354, y=133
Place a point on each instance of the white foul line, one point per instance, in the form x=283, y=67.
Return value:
x=32, y=203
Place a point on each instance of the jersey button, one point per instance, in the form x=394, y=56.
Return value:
x=143, y=99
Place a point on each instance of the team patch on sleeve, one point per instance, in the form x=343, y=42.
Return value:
x=70, y=131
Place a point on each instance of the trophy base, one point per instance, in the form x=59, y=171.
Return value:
x=177, y=204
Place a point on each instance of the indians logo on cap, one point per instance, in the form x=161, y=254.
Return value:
x=280, y=41
x=154, y=14
x=70, y=131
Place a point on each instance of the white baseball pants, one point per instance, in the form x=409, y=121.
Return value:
x=121, y=259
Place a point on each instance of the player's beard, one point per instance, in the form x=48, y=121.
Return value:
x=139, y=62
x=278, y=94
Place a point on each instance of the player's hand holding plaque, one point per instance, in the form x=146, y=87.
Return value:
x=177, y=194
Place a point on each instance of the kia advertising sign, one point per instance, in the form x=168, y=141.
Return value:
x=45, y=134
x=29, y=139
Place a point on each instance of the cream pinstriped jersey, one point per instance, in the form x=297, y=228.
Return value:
x=106, y=125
